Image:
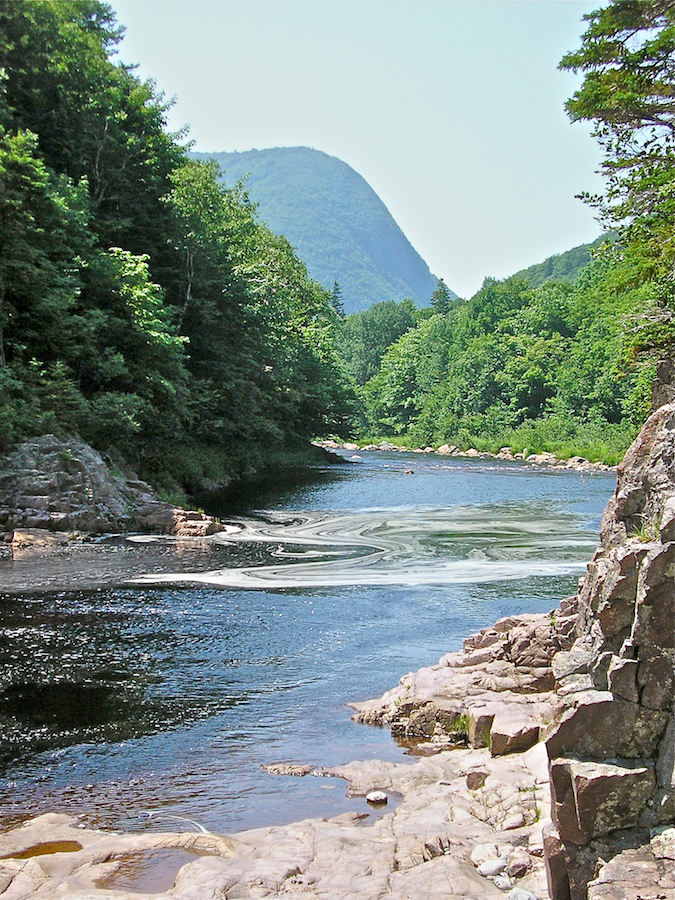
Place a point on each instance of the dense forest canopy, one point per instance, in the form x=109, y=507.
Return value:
x=142, y=304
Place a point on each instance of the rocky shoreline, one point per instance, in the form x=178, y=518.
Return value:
x=548, y=748
x=550, y=460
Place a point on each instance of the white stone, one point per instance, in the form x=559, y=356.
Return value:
x=376, y=797
x=483, y=852
x=520, y=894
x=493, y=866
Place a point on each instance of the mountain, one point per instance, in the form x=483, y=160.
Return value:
x=338, y=225
x=563, y=266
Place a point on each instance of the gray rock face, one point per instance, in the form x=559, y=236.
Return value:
x=50, y=484
x=611, y=753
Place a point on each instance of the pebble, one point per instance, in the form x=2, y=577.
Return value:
x=378, y=797
x=503, y=882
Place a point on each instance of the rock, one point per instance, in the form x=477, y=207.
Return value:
x=511, y=733
x=515, y=820
x=601, y=726
x=634, y=873
x=483, y=853
x=26, y=539
x=503, y=882
x=667, y=524
x=557, y=874
x=645, y=479
x=295, y=769
x=519, y=863
x=61, y=485
x=493, y=866
x=476, y=779
x=592, y=798
x=480, y=723
x=612, y=750
x=378, y=798
x=519, y=894
x=542, y=459
x=622, y=678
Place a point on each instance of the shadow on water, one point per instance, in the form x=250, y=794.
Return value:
x=269, y=489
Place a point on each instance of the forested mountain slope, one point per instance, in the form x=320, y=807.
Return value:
x=544, y=363
x=564, y=267
x=338, y=225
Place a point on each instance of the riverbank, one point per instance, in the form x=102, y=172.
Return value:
x=549, y=460
x=467, y=822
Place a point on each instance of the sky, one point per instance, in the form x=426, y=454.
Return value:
x=452, y=110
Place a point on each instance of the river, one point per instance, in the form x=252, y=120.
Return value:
x=141, y=704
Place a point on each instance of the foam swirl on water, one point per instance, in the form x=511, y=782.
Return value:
x=455, y=545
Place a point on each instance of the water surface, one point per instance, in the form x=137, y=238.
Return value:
x=140, y=703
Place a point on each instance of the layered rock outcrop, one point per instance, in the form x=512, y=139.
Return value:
x=496, y=692
x=52, y=484
x=612, y=752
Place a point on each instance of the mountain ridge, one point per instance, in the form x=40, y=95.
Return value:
x=340, y=227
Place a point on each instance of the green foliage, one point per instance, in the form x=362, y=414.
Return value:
x=338, y=225
x=364, y=336
x=142, y=303
x=540, y=368
x=564, y=267
x=626, y=56
x=441, y=299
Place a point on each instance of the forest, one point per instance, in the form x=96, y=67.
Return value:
x=146, y=307
x=142, y=304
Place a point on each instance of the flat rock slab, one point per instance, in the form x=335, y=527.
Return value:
x=421, y=849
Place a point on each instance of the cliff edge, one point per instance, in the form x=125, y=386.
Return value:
x=611, y=757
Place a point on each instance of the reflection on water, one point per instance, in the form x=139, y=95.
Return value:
x=132, y=705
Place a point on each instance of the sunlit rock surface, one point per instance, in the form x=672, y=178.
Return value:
x=611, y=755
x=50, y=484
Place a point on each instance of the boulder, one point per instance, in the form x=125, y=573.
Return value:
x=61, y=485
x=590, y=798
x=601, y=726
x=511, y=733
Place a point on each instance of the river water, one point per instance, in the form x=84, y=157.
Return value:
x=157, y=700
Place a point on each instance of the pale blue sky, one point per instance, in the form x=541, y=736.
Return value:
x=452, y=111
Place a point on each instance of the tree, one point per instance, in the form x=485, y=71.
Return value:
x=627, y=56
x=337, y=300
x=441, y=299
x=365, y=336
